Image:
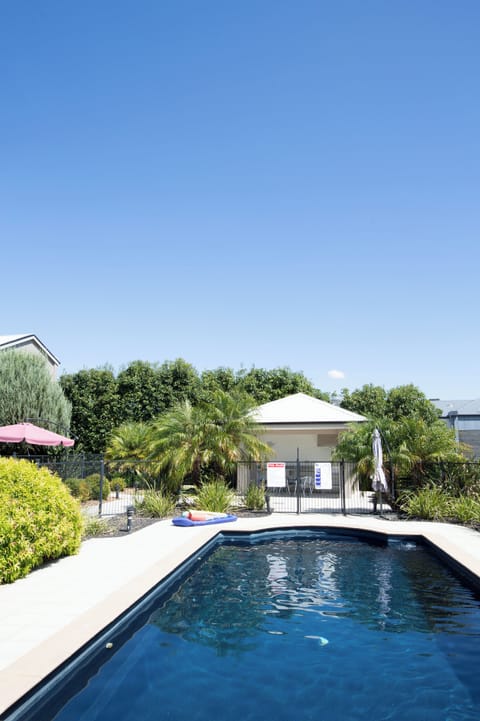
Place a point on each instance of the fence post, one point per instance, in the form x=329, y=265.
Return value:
x=102, y=476
x=342, y=487
x=298, y=481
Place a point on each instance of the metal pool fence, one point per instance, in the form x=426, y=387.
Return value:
x=116, y=486
x=302, y=491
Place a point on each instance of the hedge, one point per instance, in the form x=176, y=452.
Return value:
x=39, y=519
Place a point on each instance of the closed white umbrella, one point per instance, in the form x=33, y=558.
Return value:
x=379, y=481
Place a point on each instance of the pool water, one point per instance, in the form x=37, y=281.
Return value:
x=294, y=629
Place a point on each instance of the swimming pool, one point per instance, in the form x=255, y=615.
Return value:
x=306, y=625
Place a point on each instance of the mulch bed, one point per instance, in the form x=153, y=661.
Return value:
x=116, y=526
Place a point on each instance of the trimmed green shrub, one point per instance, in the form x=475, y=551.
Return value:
x=93, y=481
x=155, y=504
x=39, y=519
x=79, y=488
x=254, y=498
x=215, y=496
x=117, y=481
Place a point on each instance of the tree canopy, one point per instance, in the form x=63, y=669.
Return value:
x=27, y=390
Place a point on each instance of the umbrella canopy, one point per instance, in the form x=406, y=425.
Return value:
x=379, y=481
x=28, y=433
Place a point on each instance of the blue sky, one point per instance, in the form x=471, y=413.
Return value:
x=258, y=183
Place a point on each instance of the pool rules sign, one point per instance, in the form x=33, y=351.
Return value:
x=323, y=476
x=276, y=477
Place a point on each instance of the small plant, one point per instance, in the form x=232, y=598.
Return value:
x=430, y=503
x=117, y=482
x=215, y=496
x=155, y=504
x=94, y=484
x=465, y=509
x=94, y=526
x=79, y=488
x=254, y=498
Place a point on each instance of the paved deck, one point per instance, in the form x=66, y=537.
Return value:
x=47, y=616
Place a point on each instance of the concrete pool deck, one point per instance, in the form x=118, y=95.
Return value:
x=47, y=616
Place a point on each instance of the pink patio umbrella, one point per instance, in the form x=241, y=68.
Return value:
x=28, y=433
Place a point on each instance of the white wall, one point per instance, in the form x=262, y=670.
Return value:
x=285, y=444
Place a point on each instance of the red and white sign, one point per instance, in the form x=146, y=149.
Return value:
x=276, y=476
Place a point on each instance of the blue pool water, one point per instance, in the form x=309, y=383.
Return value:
x=293, y=629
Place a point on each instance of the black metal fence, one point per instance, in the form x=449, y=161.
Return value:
x=311, y=487
x=299, y=487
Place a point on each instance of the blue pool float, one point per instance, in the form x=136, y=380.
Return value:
x=183, y=521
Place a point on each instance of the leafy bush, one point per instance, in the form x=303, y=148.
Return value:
x=431, y=503
x=155, y=504
x=254, y=498
x=465, y=509
x=93, y=482
x=117, y=481
x=94, y=526
x=79, y=488
x=215, y=496
x=39, y=519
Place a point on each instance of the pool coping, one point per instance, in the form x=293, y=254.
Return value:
x=108, y=576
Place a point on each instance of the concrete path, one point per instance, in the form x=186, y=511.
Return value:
x=47, y=616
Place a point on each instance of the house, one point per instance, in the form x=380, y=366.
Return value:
x=464, y=417
x=299, y=422
x=30, y=344
x=303, y=422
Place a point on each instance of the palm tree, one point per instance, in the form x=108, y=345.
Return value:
x=128, y=447
x=191, y=440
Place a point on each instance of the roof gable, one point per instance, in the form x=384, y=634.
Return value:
x=15, y=341
x=302, y=408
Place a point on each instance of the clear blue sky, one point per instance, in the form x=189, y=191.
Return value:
x=261, y=182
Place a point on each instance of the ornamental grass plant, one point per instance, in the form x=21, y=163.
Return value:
x=155, y=504
x=215, y=496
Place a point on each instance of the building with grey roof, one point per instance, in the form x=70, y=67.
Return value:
x=464, y=417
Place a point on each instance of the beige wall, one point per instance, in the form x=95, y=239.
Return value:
x=312, y=445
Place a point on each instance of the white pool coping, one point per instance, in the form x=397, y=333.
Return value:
x=47, y=616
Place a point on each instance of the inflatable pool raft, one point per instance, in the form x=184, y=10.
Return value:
x=203, y=518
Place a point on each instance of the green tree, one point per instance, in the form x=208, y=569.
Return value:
x=27, y=390
x=369, y=401
x=219, y=379
x=141, y=392
x=94, y=398
x=178, y=381
x=196, y=440
x=270, y=385
x=408, y=401
x=409, y=444
x=127, y=452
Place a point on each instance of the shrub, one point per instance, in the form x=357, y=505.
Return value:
x=79, y=488
x=117, y=481
x=254, y=498
x=431, y=503
x=215, y=496
x=39, y=519
x=93, y=482
x=94, y=526
x=155, y=504
x=465, y=509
